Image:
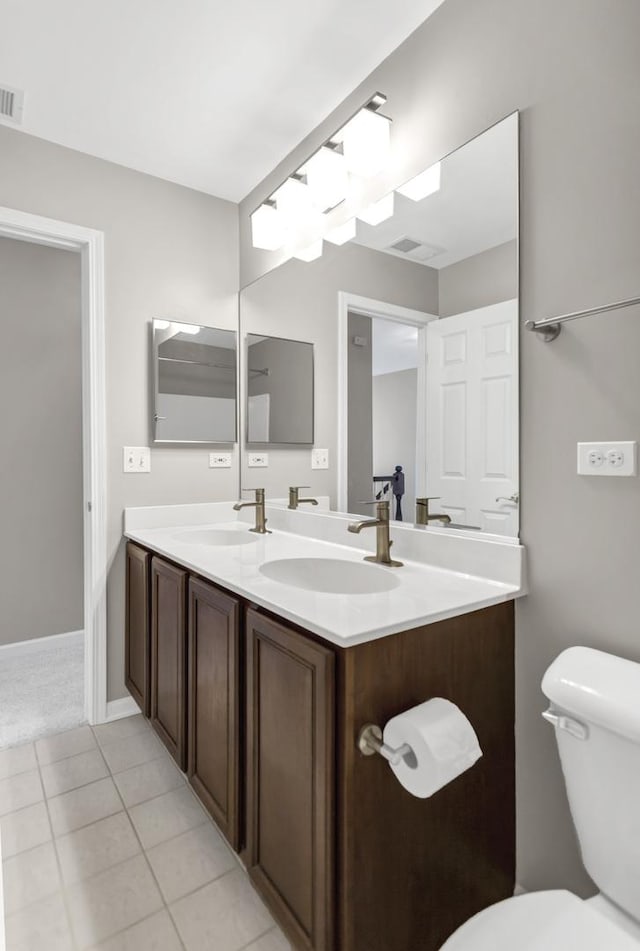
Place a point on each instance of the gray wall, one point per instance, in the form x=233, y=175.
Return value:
x=395, y=398
x=41, y=473
x=169, y=252
x=572, y=68
x=300, y=301
x=359, y=415
x=479, y=280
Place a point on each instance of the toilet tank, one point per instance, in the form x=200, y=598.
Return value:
x=595, y=708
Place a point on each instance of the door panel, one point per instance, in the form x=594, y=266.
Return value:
x=168, y=654
x=137, y=627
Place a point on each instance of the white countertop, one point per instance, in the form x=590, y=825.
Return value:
x=426, y=590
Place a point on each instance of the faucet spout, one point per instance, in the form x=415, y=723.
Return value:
x=260, y=526
x=383, y=543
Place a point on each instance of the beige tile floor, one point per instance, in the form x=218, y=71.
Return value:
x=105, y=847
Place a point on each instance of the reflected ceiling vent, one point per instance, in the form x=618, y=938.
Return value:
x=11, y=103
x=412, y=248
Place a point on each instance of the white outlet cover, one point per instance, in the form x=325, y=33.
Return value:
x=219, y=460
x=136, y=459
x=319, y=458
x=258, y=460
x=608, y=458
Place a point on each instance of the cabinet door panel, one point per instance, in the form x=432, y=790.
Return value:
x=214, y=697
x=168, y=649
x=137, y=632
x=290, y=785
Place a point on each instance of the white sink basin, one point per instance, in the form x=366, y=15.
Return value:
x=330, y=575
x=216, y=536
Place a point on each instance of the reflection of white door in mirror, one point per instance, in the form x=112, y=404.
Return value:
x=472, y=417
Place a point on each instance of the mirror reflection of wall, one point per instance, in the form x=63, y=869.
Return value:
x=449, y=418
x=195, y=383
x=279, y=391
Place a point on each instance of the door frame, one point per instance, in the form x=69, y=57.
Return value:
x=89, y=243
x=370, y=307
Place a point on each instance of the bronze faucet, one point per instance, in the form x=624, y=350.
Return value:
x=295, y=500
x=261, y=523
x=383, y=543
x=423, y=517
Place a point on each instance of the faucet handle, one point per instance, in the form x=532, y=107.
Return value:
x=427, y=498
x=257, y=492
x=299, y=487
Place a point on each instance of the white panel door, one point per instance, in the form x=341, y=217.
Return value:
x=472, y=417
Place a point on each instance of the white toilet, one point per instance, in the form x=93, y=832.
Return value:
x=595, y=709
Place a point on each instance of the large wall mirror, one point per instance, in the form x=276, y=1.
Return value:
x=414, y=323
x=195, y=383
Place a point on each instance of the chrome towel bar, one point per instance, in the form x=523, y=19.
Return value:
x=551, y=327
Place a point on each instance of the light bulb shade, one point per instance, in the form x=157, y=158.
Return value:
x=342, y=233
x=327, y=178
x=310, y=253
x=267, y=230
x=378, y=211
x=424, y=184
x=366, y=143
x=293, y=200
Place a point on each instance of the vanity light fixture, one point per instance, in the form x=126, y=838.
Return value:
x=342, y=233
x=424, y=184
x=379, y=211
x=311, y=253
x=296, y=210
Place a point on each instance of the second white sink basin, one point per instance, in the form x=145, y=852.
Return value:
x=330, y=575
x=216, y=536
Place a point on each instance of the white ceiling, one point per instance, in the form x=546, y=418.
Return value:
x=475, y=209
x=205, y=93
x=394, y=346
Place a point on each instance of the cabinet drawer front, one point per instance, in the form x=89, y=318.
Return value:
x=168, y=713
x=137, y=633
x=290, y=786
x=214, y=698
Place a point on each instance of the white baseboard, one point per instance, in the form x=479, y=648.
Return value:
x=124, y=707
x=69, y=639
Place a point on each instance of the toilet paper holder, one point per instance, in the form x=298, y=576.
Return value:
x=370, y=742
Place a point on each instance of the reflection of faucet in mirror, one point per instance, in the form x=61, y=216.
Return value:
x=261, y=523
x=294, y=498
x=423, y=517
x=381, y=525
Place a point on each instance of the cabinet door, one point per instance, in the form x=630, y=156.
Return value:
x=290, y=778
x=136, y=630
x=214, y=699
x=168, y=650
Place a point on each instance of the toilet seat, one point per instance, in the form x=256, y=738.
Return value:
x=541, y=921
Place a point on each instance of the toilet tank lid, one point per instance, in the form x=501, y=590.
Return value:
x=598, y=687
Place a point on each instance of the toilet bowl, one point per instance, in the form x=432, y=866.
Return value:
x=595, y=711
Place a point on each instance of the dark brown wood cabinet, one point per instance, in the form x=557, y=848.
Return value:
x=168, y=657
x=290, y=778
x=137, y=661
x=214, y=716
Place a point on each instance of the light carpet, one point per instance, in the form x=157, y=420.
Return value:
x=41, y=692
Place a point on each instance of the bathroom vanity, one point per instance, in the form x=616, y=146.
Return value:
x=259, y=688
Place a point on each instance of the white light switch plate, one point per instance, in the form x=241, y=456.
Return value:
x=258, y=460
x=136, y=459
x=607, y=458
x=319, y=458
x=219, y=460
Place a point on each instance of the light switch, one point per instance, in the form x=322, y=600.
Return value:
x=607, y=458
x=319, y=458
x=219, y=460
x=136, y=459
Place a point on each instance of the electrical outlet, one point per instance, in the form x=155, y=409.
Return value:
x=607, y=458
x=319, y=458
x=219, y=460
x=258, y=460
x=136, y=459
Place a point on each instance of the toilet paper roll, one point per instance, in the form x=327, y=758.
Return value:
x=443, y=742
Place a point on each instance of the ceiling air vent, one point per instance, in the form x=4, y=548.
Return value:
x=414, y=249
x=11, y=101
x=405, y=245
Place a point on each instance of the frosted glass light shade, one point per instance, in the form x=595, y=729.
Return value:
x=267, y=230
x=424, y=184
x=310, y=253
x=366, y=143
x=327, y=178
x=293, y=201
x=342, y=233
x=378, y=211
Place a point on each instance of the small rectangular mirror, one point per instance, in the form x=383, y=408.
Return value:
x=195, y=392
x=279, y=391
